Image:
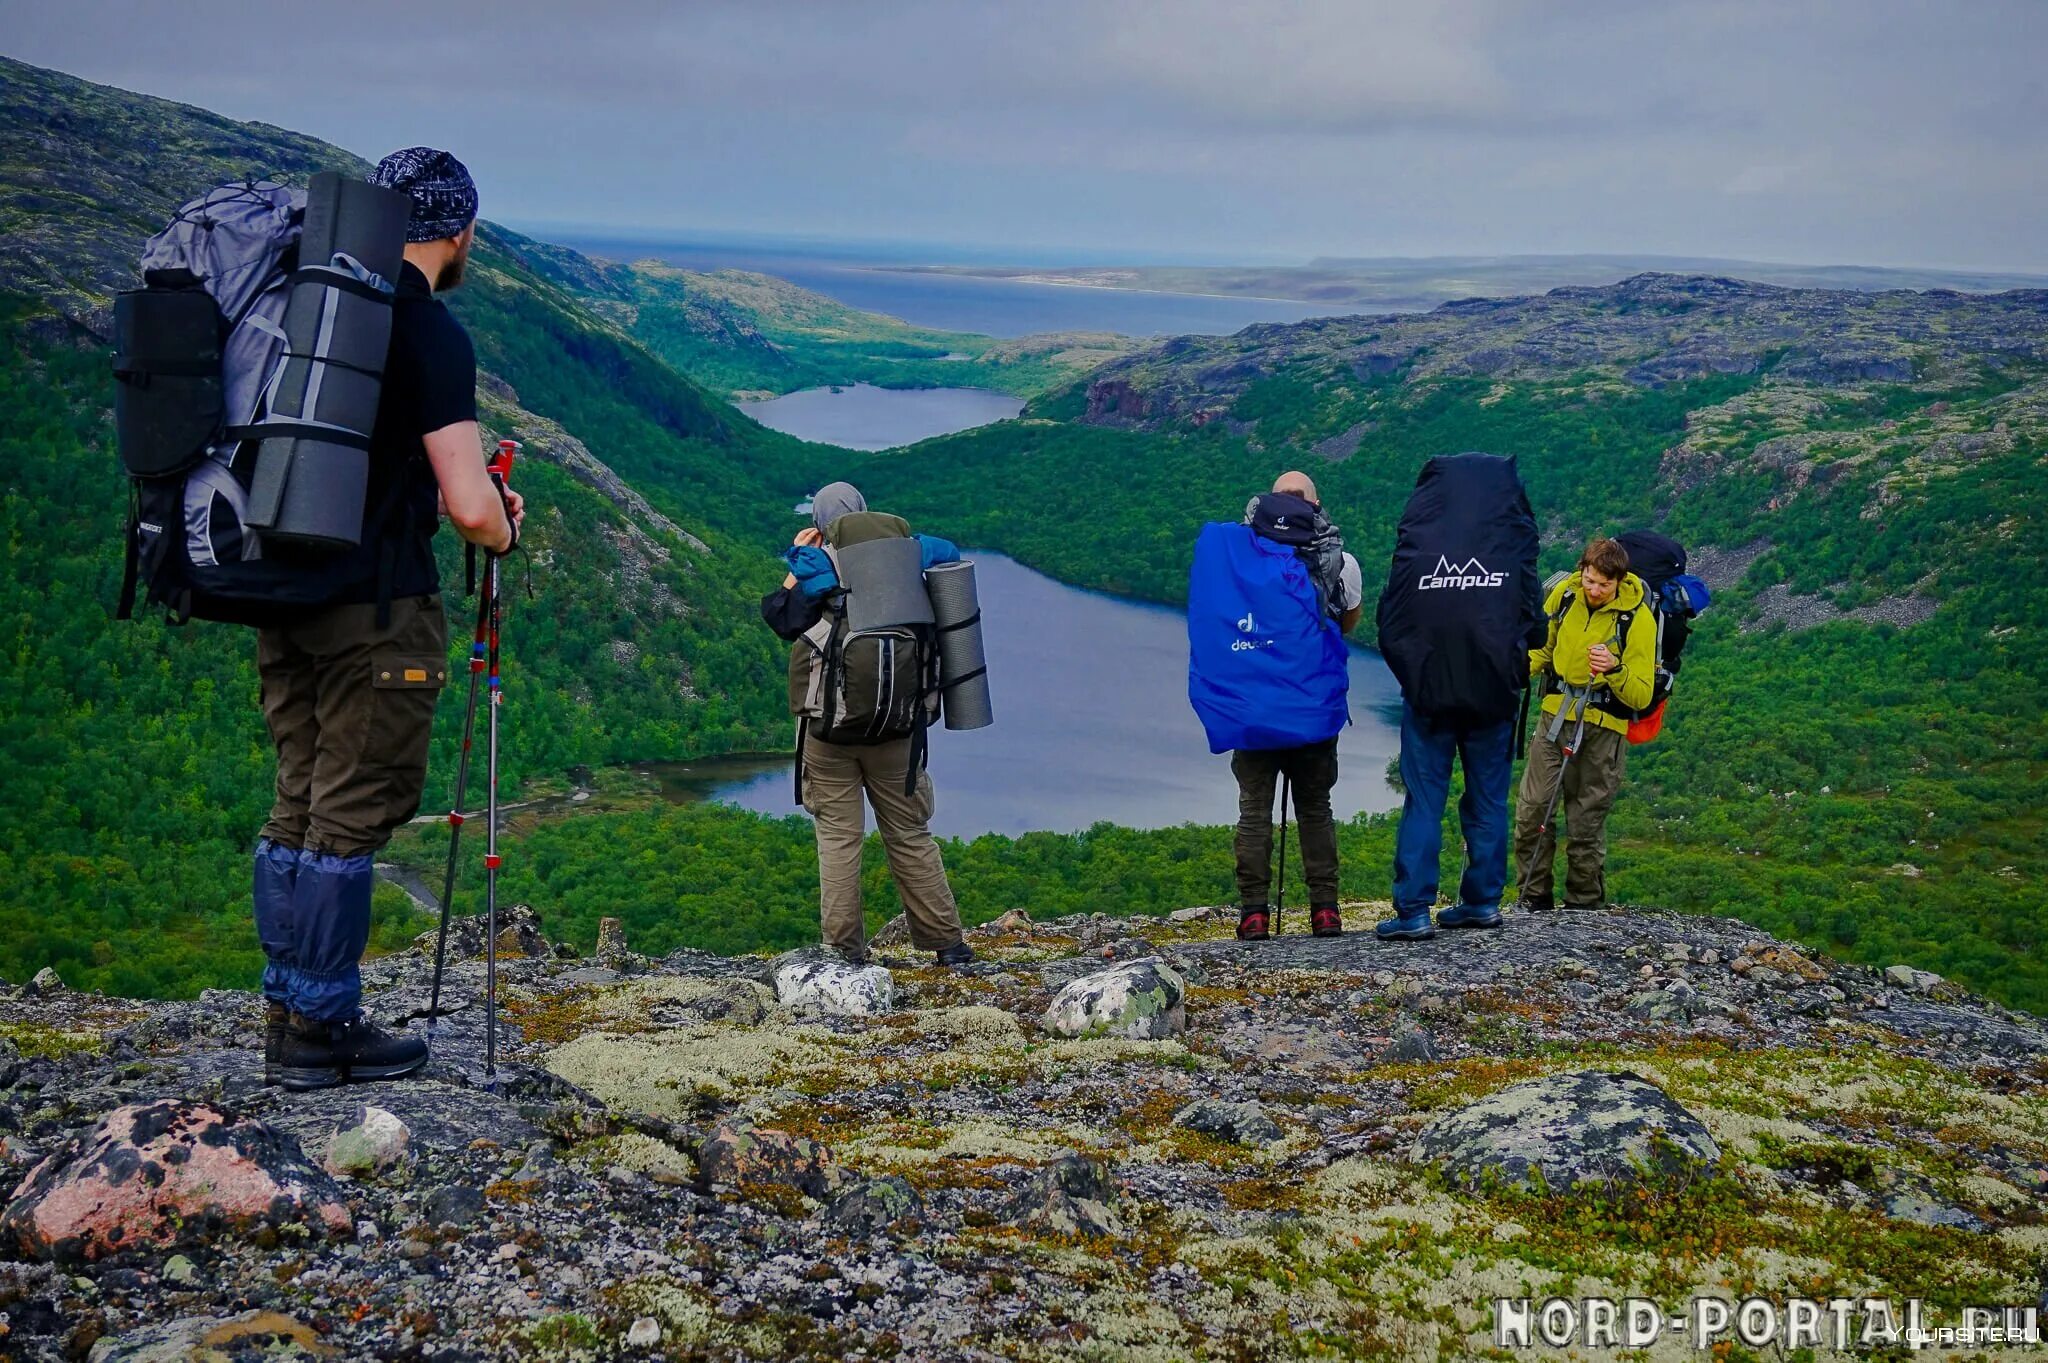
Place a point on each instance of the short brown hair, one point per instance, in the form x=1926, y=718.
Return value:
x=1605, y=557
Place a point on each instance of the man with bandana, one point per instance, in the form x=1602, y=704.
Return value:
x=349, y=688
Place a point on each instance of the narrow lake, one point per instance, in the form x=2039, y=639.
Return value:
x=860, y=416
x=1092, y=725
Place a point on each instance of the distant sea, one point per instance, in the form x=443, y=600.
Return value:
x=989, y=307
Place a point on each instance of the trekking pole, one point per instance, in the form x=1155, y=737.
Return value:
x=1280, y=881
x=1577, y=700
x=501, y=470
x=455, y=815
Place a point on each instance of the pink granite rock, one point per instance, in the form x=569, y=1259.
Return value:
x=157, y=1175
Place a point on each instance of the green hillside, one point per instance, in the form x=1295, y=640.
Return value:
x=739, y=333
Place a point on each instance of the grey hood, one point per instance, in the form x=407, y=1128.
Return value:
x=833, y=501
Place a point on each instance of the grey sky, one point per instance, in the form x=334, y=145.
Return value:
x=1855, y=131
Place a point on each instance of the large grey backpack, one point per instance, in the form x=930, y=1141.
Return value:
x=202, y=361
x=194, y=348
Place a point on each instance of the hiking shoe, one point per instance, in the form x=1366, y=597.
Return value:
x=859, y=957
x=1529, y=905
x=1469, y=916
x=1325, y=921
x=318, y=1055
x=1254, y=924
x=273, y=1039
x=957, y=954
x=1405, y=929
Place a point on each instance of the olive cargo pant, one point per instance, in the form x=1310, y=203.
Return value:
x=1311, y=771
x=1590, y=784
x=835, y=775
x=350, y=708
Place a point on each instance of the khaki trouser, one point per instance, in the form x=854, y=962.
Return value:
x=834, y=777
x=1590, y=784
x=351, y=710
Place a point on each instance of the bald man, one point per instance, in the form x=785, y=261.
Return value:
x=1348, y=593
x=1291, y=514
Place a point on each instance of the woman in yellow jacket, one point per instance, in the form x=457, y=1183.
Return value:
x=1580, y=748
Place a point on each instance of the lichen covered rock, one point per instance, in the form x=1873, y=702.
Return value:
x=158, y=1175
x=375, y=1143
x=1242, y=1123
x=1142, y=1000
x=738, y=1154
x=818, y=981
x=874, y=1205
x=1074, y=1195
x=1590, y=1126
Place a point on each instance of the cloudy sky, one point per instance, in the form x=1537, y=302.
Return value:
x=1878, y=132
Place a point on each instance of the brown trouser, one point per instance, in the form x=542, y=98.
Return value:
x=1591, y=782
x=1311, y=771
x=351, y=710
x=834, y=777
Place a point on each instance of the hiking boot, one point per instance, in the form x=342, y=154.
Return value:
x=1418, y=929
x=1583, y=908
x=957, y=954
x=1469, y=916
x=273, y=1039
x=1527, y=904
x=850, y=956
x=1325, y=921
x=1254, y=924
x=318, y=1055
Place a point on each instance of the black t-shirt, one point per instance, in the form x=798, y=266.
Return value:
x=429, y=383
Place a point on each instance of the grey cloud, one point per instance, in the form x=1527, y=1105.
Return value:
x=1881, y=130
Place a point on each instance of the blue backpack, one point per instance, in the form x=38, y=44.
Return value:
x=1266, y=667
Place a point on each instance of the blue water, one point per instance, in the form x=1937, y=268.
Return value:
x=989, y=307
x=1092, y=725
x=860, y=416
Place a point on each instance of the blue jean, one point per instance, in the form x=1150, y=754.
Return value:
x=1426, y=752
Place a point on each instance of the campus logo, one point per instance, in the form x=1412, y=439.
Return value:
x=1471, y=573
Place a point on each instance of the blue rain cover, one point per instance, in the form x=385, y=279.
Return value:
x=1266, y=668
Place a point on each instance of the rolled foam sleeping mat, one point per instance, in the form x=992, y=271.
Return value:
x=884, y=582
x=963, y=663
x=313, y=465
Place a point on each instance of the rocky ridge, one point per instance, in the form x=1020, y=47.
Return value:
x=1645, y=332
x=1237, y=1150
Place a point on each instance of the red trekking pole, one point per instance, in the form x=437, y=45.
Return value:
x=501, y=472
x=483, y=656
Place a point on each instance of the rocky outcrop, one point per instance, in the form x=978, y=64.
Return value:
x=1593, y=1126
x=1647, y=331
x=673, y=1155
x=156, y=1175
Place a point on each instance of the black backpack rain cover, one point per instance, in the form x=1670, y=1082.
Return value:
x=1463, y=604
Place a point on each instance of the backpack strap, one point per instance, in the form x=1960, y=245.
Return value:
x=802, y=728
x=132, y=564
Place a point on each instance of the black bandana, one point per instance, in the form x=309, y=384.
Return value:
x=443, y=196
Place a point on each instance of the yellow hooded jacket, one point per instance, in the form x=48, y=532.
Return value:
x=1579, y=628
